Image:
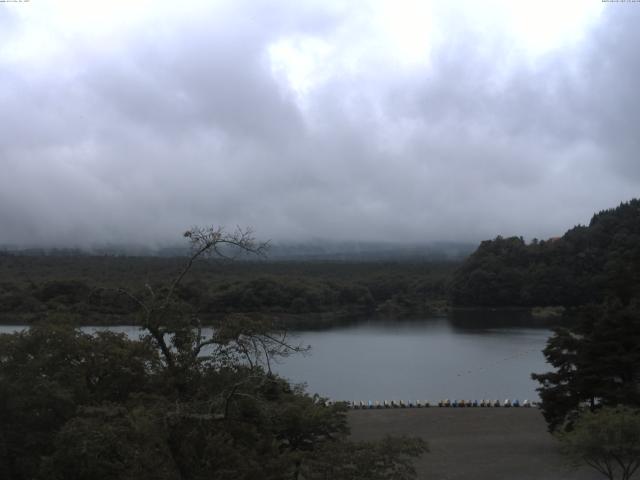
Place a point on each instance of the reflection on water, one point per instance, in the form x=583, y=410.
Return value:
x=488, y=319
x=453, y=357
x=467, y=355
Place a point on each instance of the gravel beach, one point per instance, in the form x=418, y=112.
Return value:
x=474, y=443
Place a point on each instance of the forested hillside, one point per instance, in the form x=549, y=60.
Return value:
x=588, y=264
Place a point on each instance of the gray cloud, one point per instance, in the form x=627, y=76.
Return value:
x=185, y=121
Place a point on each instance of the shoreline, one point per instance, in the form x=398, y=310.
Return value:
x=524, y=316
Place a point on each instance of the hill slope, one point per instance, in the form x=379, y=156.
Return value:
x=586, y=265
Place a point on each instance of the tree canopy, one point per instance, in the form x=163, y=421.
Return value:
x=586, y=265
x=607, y=440
x=596, y=361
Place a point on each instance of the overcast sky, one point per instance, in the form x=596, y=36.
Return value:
x=128, y=121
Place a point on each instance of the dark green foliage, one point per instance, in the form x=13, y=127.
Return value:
x=595, y=271
x=76, y=406
x=69, y=291
x=88, y=289
x=47, y=372
x=597, y=363
x=607, y=440
x=110, y=441
x=585, y=265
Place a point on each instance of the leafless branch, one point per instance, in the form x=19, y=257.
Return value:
x=135, y=299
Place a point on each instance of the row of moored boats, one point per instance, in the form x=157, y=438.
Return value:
x=446, y=403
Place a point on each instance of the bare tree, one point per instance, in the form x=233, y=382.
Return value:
x=179, y=334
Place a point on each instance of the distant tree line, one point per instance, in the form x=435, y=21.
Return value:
x=89, y=288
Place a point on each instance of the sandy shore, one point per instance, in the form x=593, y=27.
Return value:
x=474, y=443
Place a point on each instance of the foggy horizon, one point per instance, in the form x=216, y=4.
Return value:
x=404, y=122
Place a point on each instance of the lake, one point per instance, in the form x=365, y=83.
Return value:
x=465, y=355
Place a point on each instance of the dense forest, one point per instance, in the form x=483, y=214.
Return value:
x=588, y=264
x=89, y=289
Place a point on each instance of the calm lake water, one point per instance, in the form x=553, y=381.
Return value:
x=466, y=355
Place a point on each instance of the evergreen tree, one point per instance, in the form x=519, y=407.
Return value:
x=597, y=363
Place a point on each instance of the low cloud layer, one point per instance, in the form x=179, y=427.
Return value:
x=309, y=122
